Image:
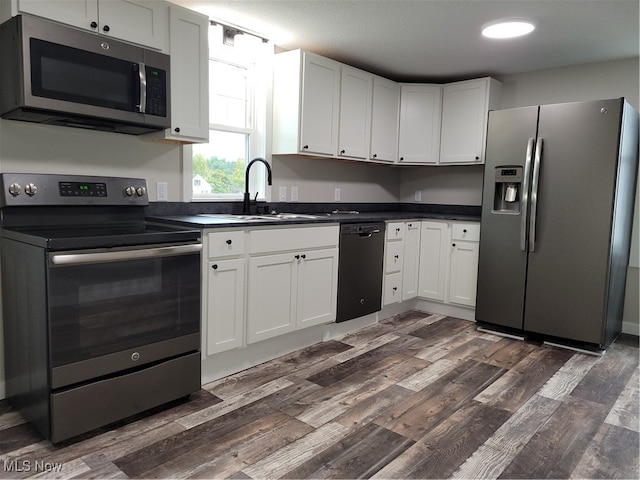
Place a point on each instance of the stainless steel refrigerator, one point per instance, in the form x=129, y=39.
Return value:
x=557, y=212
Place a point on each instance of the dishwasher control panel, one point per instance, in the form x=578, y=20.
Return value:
x=358, y=228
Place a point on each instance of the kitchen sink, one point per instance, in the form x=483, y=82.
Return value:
x=291, y=216
x=266, y=216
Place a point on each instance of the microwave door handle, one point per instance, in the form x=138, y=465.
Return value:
x=141, y=87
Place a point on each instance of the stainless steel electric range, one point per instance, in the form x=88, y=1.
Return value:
x=101, y=310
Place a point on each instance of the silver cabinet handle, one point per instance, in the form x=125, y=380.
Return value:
x=525, y=195
x=64, y=259
x=534, y=195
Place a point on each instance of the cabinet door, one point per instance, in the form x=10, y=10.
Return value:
x=138, y=21
x=79, y=13
x=464, y=273
x=384, y=120
x=433, y=260
x=224, y=323
x=317, y=287
x=271, y=293
x=320, y=104
x=464, y=120
x=419, y=139
x=411, y=261
x=355, y=113
x=189, y=50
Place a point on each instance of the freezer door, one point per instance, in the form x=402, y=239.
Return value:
x=503, y=263
x=569, y=266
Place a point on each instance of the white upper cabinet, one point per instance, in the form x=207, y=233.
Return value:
x=139, y=21
x=465, y=108
x=328, y=109
x=306, y=102
x=420, y=112
x=356, y=89
x=320, y=105
x=385, y=111
x=143, y=22
x=189, y=51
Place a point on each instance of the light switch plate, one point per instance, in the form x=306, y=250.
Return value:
x=294, y=194
x=336, y=195
x=283, y=194
x=417, y=196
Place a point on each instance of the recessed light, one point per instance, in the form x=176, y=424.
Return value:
x=507, y=29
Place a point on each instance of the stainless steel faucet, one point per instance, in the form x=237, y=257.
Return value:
x=246, y=207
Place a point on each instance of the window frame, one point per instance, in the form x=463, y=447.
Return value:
x=258, y=101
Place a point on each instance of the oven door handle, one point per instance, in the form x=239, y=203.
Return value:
x=64, y=259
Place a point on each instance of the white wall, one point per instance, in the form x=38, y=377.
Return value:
x=317, y=180
x=35, y=148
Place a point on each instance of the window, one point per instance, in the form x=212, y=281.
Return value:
x=237, y=118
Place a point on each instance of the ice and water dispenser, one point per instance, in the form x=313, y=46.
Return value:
x=508, y=190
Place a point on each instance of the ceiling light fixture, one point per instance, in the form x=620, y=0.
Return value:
x=507, y=29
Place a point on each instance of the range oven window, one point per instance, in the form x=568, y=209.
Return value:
x=102, y=308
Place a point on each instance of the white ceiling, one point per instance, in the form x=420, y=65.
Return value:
x=439, y=40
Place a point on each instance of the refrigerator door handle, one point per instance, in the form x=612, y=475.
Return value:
x=534, y=195
x=525, y=196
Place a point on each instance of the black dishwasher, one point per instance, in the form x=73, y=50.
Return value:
x=360, y=269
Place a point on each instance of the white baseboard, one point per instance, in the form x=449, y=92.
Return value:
x=631, y=328
x=465, y=313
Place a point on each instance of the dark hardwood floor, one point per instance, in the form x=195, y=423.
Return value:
x=415, y=396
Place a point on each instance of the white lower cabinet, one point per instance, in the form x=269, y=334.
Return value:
x=225, y=305
x=402, y=258
x=264, y=282
x=223, y=296
x=290, y=291
x=463, y=277
x=295, y=288
x=433, y=260
x=464, y=273
x=449, y=261
x=272, y=280
x=411, y=266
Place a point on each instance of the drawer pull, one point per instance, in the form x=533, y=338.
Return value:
x=214, y=266
x=229, y=242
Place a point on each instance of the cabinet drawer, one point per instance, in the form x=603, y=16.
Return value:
x=395, y=230
x=465, y=231
x=225, y=244
x=392, y=288
x=393, y=257
x=291, y=239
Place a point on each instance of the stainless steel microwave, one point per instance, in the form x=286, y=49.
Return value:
x=60, y=75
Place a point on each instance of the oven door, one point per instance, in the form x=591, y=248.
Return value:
x=116, y=309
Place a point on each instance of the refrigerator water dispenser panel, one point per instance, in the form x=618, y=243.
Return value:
x=508, y=190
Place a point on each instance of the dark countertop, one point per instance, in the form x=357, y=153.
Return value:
x=210, y=220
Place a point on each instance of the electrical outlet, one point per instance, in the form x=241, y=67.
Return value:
x=162, y=192
x=417, y=196
x=283, y=194
x=336, y=195
x=294, y=194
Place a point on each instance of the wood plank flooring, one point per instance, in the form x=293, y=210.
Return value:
x=415, y=396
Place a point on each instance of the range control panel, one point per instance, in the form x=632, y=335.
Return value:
x=28, y=189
